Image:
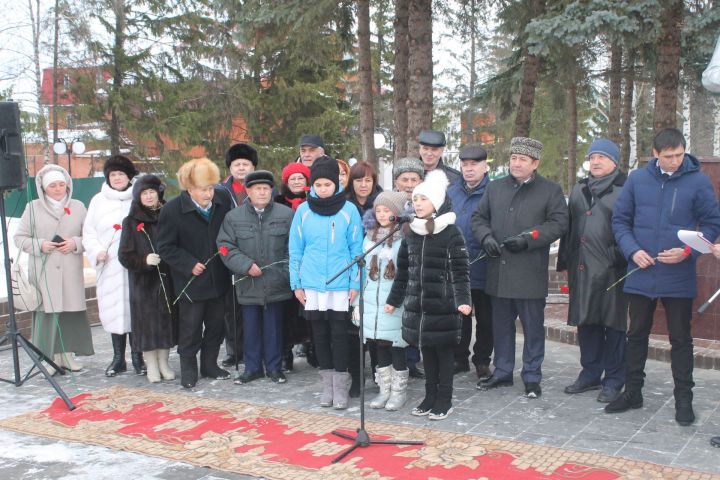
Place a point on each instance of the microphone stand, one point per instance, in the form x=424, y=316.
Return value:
x=707, y=304
x=362, y=439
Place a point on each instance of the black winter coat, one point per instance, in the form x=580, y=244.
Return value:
x=186, y=238
x=508, y=209
x=432, y=281
x=592, y=258
x=153, y=324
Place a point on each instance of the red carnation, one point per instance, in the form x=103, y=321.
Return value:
x=687, y=251
x=563, y=288
x=117, y=226
x=67, y=210
x=223, y=251
x=534, y=234
x=140, y=227
x=306, y=189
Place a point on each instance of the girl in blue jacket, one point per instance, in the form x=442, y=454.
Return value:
x=325, y=236
x=381, y=328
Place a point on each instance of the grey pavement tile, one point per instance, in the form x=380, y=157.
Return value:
x=662, y=458
x=697, y=452
x=594, y=442
x=552, y=440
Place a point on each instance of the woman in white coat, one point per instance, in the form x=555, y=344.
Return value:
x=101, y=238
x=50, y=232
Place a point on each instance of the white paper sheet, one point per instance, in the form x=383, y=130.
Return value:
x=695, y=240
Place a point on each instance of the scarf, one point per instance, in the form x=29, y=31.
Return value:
x=384, y=252
x=326, y=206
x=598, y=186
x=57, y=206
x=294, y=199
x=419, y=225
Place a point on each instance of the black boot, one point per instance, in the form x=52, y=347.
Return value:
x=138, y=362
x=443, y=403
x=431, y=393
x=208, y=364
x=118, y=364
x=287, y=361
x=188, y=371
x=310, y=355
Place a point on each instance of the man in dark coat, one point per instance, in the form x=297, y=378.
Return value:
x=594, y=262
x=240, y=159
x=187, y=234
x=256, y=236
x=431, y=149
x=668, y=195
x=465, y=195
x=518, y=218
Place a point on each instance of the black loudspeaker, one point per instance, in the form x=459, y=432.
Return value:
x=12, y=155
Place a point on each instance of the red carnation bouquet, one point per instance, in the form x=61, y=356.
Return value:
x=221, y=251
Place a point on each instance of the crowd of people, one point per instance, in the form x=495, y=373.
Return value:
x=256, y=263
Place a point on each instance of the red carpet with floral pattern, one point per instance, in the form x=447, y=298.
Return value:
x=288, y=444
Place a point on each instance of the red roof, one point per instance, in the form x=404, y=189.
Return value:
x=67, y=78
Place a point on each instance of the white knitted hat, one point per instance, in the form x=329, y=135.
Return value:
x=434, y=188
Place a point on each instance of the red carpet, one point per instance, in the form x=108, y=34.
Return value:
x=287, y=444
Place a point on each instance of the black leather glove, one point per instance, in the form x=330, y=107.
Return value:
x=491, y=246
x=516, y=244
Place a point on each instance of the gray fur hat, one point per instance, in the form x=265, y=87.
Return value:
x=408, y=164
x=526, y=146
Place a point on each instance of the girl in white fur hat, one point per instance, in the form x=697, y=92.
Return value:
x=432, y=283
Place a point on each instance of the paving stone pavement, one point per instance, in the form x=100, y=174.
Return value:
x=556, y=419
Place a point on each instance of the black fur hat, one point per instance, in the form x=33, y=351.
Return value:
x=119, y=163
x=325, y=167
x=241, y=150
x=147, y=182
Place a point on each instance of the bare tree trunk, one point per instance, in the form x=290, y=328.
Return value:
x=118, y=68
x=615, y=77
x=420, y=66
x=367, y=119
x=702, y=116
x=531, y=72
x=400, y=78
x=627, y=113
x=667, y=73
x=468, y=134
x=55, y=75
x=573, y=128
x=35, y=20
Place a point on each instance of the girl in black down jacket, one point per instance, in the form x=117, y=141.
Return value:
x=433, y=284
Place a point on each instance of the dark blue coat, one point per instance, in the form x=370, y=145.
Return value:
x=464, y=205
x=647, y=216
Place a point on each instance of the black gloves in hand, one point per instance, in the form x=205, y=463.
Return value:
x=491, y=246
x=516, y=244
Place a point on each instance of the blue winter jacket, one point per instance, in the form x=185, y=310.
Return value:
x=464, y=206
x=378, y=325
x=321, y=245
x=647, y=216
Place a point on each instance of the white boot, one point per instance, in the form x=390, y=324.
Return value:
x=69, y=362
x=398, y=390
x=163, y=354
x=151, y=362
x=383, y=377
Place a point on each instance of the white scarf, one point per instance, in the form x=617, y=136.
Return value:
x=418, y=225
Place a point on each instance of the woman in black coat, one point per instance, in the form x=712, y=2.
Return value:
x=433, y=284
x=152, y=316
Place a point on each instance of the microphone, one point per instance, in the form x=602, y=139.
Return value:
x=402, y=218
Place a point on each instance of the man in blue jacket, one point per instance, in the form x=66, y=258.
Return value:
x=465, y=194
x=668, y=195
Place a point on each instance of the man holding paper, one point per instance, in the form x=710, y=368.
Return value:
x=668, y=195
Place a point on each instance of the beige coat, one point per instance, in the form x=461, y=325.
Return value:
x=59, y=276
